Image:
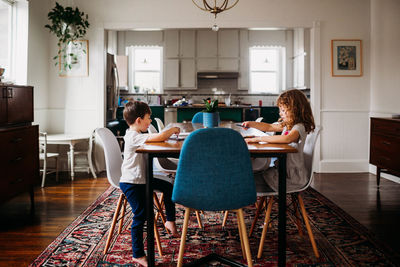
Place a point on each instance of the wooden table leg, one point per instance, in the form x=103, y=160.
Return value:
x=150, y=212
x=378, y=176
x=282, y=212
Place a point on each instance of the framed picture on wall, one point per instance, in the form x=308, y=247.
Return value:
x=346, y=58
x=75, y=60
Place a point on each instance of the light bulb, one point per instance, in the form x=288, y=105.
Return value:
x=215, y=27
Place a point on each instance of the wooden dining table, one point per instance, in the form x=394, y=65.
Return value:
x=172, y=148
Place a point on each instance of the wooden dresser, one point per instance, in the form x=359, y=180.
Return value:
x=385, y=146
x=19, y=145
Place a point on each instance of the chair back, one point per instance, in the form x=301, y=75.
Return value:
x=112, y=153
x=214, y=171
x=43, y=144
x=152, y=129
x=160, y=124
x=198, y=117
x=308, y=150
x=259, y=119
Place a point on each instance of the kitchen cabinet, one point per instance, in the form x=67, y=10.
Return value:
x=180, y=44
x=171, y=38
x=179, y=73
x=187, y=73
x=228, y=43
x=207, y=64
x=171, y=73
x=187, y=44
x=218, y=51
x=207, y=45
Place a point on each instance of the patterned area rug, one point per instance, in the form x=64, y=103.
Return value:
x=341, y=240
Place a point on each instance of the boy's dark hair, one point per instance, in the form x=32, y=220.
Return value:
x=134, y=110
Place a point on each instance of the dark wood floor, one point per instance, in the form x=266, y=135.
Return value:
x=23, y=237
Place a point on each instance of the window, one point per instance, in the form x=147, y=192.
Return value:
x=146, y=68
x=266, y=69
x=6, y=36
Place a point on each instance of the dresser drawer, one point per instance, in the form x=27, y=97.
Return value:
x=18, y=144
x=386, y=127
x=385, y=151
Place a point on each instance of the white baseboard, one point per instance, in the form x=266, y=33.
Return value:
x=344, y=166
x=372, y=169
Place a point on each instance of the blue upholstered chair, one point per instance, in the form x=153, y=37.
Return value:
x=198, y=117
x=215, y=174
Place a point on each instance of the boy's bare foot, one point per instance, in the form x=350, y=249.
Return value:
x=142, y=261
x=171, y=226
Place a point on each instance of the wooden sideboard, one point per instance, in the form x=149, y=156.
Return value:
x=19, y=142
x=385, y=146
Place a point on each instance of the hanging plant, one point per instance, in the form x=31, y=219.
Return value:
x=68, y=25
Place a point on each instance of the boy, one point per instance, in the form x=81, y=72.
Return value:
x=133, y=179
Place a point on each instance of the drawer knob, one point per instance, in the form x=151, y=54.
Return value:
x=386, y=143
x=16, y=140
x=17, y=181
x=16, y=159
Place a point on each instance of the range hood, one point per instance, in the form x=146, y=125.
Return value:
x=217, y=75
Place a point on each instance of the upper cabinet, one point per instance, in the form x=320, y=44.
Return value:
x=179, y=43
x=228, y=43
x=218, y=51
x=207, y=43
x=187, y=44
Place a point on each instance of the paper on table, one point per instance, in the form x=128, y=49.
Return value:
x=180, y=137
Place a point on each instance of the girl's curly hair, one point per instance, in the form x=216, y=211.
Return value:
x=298, y=108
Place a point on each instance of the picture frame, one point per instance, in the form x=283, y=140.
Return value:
x=75, y=63
x=346, y=58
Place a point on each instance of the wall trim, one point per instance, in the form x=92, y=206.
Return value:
x=346, y=110
x=340, y=165
x=372, y=169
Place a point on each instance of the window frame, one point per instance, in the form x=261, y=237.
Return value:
x=131, y=53
x=280, y=70
x=8, y=75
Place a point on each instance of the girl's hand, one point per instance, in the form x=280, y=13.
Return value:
x=247, y=124
x=252, y=140
x=175, y=130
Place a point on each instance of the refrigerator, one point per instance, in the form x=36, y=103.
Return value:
x=112, y=90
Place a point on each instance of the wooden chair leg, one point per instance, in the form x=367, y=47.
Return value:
x=199, y=219
x=241, y=237
x=296, y=209
x=158, y=241
x=265, y=228
x=244, y=237
x=56, y=169
x=183, y=237
x=310, y=234
x=114, y=222
x=121, y=220
x=160, y=212
x=259, y=207
x=225, y=218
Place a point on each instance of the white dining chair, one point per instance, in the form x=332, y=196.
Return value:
x=160, y=124
x=44, y=156
x=297, y=200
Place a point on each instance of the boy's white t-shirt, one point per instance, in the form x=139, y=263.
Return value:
x=134, y=165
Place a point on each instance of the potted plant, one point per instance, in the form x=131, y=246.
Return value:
x=210, y=114
x=69, y=25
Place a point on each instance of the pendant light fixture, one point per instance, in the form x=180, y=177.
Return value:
x=215, y=6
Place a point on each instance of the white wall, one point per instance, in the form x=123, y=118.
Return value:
x=385, y=58
x=75, y=104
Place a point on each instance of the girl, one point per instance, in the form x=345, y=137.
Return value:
x=295, y=123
